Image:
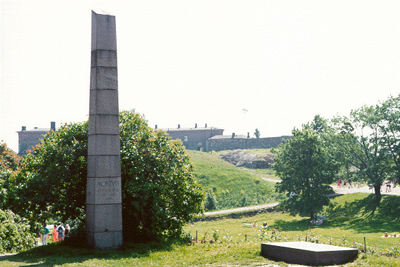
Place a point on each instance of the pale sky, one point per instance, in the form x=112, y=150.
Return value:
x=186, y=62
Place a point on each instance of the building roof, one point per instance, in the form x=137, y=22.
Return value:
x=34, y=130
x=188, y=129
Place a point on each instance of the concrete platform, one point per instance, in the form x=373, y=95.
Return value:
x=308, y=253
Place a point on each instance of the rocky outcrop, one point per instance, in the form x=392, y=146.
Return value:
x=243, y=158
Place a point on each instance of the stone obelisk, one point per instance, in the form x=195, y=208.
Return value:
x=104, y=199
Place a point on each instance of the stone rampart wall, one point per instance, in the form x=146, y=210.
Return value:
x=243, y=143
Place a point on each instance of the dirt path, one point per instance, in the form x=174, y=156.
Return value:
x=258, y=207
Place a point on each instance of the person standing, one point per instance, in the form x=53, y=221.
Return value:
x=60, y=230
x=67, y=230
x=55, y=234
x=44, y=234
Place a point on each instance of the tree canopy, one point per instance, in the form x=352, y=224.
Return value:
x=307, y=168
x=389, y=127
x=159, y=192
x=359, y=139
x=10, y=162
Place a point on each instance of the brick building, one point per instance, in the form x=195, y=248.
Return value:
x=212, y=139
x=193, y=138
x=30, y=138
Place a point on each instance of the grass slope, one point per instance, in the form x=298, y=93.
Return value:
x=231, y=186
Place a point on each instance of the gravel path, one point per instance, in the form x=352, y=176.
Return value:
x=258, y=207
x=363, y=189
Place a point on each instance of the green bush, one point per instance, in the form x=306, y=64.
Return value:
x=211, y=202
x=15, y=233
x=159, y=191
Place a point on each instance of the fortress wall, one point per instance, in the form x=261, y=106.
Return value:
x=243, y=143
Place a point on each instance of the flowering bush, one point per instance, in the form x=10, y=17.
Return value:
x=15, y=233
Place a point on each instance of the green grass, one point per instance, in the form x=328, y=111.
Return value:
x=350, y=219
x=232, y=186
x=263, y=173
x=229, y=242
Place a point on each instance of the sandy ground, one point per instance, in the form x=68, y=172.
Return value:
x=355, y=189
x=366, y=189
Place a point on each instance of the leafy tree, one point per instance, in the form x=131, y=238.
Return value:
x=257, y=133
x=159, y=193
x=53, y=181
x=307, y=168
x=359, y=139
x=9, y=164
x=389, y=127
x=8, y=159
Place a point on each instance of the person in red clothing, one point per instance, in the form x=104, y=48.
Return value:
x=55, y=234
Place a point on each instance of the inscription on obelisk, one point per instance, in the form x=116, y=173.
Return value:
x=104, y=199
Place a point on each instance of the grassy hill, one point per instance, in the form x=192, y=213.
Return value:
x=231, y=186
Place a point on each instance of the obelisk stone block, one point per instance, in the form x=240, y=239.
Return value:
x=103, y=102
x=104, y=78
x=104, y=124
x=103, y=145
x=104, y=196
x=103, y=166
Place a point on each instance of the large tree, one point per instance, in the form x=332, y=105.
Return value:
x=159, y=192
x=307, y=168
x=360, y=140
x=389, y=127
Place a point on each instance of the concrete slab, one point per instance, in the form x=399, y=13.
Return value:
x=308, y=253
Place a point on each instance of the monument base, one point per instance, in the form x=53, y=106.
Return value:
x=105, y=240
x=308, y=253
